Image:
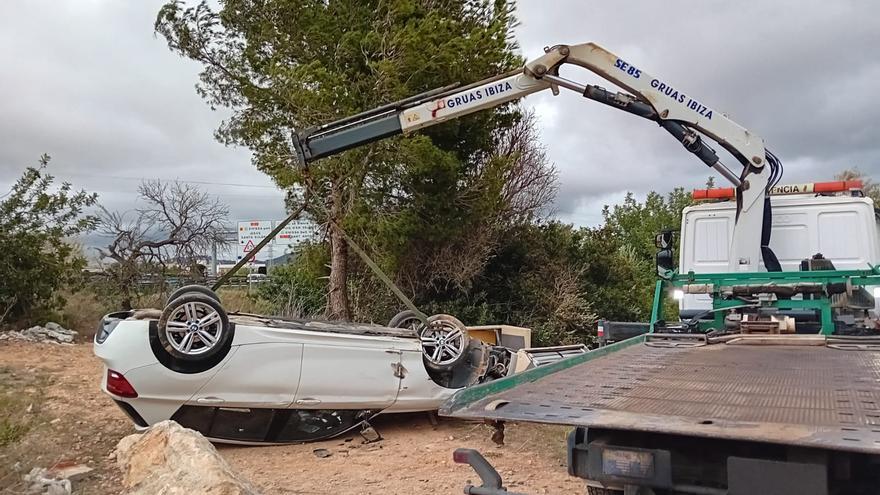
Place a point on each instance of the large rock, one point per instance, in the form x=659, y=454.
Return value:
x=169, y=459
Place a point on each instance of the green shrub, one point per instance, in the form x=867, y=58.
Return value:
x=36, y=259
x=297, y=289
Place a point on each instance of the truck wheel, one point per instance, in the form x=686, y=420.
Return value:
x=444, y=342
x=198, y=289
x=406, y=319
x=193, y=328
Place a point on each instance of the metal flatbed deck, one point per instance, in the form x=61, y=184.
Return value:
x=805, y=395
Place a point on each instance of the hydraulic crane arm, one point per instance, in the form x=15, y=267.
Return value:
x=411, y=114
x=652, y=98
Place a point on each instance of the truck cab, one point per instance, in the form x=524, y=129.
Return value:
x=839, y=223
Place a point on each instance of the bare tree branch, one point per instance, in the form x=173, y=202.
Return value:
x=176, y=224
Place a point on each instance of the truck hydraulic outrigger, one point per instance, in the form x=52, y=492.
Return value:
x=683, y=116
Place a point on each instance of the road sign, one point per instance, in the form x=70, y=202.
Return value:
x=253, y=231
x=297, y=231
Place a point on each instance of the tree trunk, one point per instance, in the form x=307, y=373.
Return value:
x=337, y=307
x=125, y=292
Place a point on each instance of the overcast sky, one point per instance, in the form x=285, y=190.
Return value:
x=87, y=82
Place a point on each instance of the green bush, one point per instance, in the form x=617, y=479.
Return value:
x=297, y=288
x=36, y=259
x=551, y=277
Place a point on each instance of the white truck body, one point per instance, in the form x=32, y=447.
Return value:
x=845, y=229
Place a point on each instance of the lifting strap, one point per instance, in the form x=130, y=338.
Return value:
x=357, y=249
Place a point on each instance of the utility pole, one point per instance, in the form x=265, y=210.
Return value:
x=271, y=255
x=214, y=259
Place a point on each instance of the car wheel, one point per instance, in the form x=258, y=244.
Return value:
x=198, y=289
x=194, y=327
x=444, y=342
x=406, y=319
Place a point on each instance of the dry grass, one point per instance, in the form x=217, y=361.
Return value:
x=20, y=397
x=82, y=312
x=549, y=440
x=238, y=300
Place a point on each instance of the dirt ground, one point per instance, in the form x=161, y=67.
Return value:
x=52, y=410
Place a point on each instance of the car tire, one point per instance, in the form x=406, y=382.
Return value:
x=194, y=328
x=406, y=319
x=451, y=336
x=198, y=289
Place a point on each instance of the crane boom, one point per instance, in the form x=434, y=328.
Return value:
x=685, y=117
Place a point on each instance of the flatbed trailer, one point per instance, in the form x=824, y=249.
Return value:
x=693, y=413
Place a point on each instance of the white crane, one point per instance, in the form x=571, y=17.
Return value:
x=685, y=117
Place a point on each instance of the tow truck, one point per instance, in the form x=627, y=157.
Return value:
x=812, y=223
x=734, y=400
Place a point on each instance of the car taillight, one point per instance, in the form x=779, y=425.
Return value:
x=600, y=330
x=118, y=385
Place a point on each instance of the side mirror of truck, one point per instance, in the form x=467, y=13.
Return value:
x=665, y=257
x=664, y=239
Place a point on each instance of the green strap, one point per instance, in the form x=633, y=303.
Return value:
x=357, y=249
x=382, y=276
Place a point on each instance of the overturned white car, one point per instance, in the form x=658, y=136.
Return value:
x=255, y=379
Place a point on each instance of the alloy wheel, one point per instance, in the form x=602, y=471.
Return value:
x=194, y=328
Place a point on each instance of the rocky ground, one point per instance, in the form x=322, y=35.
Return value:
x=52, y=412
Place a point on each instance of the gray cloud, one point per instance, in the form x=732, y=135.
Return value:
x=90, y=84
x=799, y=73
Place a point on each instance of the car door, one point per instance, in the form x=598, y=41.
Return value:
x=358, y=374
x=257, y=375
